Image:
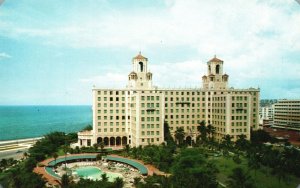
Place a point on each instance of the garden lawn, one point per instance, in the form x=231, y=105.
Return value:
x=262, y=177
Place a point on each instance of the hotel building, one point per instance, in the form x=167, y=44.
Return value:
x=136, y=114
x=287, y=114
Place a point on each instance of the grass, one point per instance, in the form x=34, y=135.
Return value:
x=262, y=177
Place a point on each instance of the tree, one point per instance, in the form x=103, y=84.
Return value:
x=14, y=178
x=226, y=142
x=99, y=156
x=96, y=146
x=167, y=134
x=88, y=128
x=203, y=131
x=253, y=162
x=127, y=149
x=136, y=181
x=54, y=155
x=25, y=155
x=30, y=164
x=239, y=179
x=190, y=169
x=65, y=149
x=118, y=183
x=179, y=135
x=211, y=131
x=260, y=136
x=104, y=177
x=65, y=181
x=242, y=144
x=102, y=147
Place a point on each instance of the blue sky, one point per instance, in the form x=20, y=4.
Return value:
x=54, y=52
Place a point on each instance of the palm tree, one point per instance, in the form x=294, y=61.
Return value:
x=104, y=177
x=227, y=143
x=179, y=135
x=127, y=149
x=119, y=183
x=241, y=143
x=136, y=181
x=65, y=181
x=102, y=147
x=211, y=131
x=96, y=146
x=203, y=131
x=239, y=179
x=65, y=149
x=54, y=155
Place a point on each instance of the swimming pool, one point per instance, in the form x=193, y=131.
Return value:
x=94, y=173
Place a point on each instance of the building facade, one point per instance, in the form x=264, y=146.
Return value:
x=287, y=114
x=266, y=115
x=136, y=114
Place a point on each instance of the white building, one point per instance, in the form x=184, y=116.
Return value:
x=266, y=115
x=136, y=114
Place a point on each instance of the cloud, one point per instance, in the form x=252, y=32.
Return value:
x=4, y=55
x=205, y=25
x=256, y=39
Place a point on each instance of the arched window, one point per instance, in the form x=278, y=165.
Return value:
x=141, y=66
x=218, y=69
x=209, y=69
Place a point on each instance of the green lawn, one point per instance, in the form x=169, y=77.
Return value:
x=262, y=178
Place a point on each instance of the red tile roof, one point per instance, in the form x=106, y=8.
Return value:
x=215, y=59
x=139, y=56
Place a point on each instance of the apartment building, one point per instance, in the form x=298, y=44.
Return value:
x=287, y=114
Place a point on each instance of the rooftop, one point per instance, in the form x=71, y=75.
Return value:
x=215, y=59
x=139, y=56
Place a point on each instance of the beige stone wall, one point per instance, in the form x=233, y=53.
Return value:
x=136, y=115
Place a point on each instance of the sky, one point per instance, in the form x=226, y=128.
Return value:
x=54, y=52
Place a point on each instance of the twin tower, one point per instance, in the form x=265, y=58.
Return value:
x=141, y=78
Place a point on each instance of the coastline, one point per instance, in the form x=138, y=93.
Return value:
x=16, y=141
x=16, y=148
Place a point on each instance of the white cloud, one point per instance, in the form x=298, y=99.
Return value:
x=253, y=38
x=4, y=55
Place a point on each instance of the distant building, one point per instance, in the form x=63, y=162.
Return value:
x=136, y=114
x=287, y=114
x=266, y=115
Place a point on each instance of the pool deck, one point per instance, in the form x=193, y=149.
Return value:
x=41, y=169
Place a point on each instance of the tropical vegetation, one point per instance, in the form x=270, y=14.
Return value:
x=205, y=163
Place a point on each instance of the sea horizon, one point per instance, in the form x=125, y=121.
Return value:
x=31, y=121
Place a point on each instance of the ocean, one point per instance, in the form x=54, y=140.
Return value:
x=18, y=122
